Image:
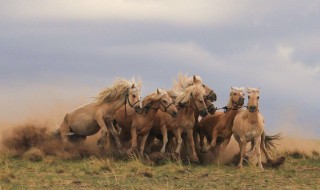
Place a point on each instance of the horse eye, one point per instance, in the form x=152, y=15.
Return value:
x=235, y=94
x=133, y=96
x=203, y=85
x=258, y=97
x=248, y=97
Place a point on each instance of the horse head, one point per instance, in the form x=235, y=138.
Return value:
x=236, y=99
x=197, y=99
x=166, y=104
x=133, y=97
x=209, y=93
x=253, y=99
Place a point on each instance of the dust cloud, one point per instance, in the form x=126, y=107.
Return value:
x=31, y=123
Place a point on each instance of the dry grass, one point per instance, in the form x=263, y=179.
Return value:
x=299, y=172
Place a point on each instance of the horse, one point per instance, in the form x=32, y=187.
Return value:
x=142, y=123
x=219, y=126
x=188, y=101
x=182, y=83
x=248, y=126
x=98, y=115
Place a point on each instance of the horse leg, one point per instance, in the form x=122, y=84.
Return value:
x=201, y=135
x=196, y=135
x=213, y=141
x=242, y=146
x=177, y=134
x=194, y=156
x=64, y=130
x=164, y=133
x=258, y=139
x=106, y=125
x=149, y=142
x=143, y=142
x=133, y=139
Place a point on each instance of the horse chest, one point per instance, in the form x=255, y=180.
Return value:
x=252, y=132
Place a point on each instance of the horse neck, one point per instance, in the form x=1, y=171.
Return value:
x=189, y=110
x=229, y=116
x=253, y=117
x=151, y=112
x=117, y=104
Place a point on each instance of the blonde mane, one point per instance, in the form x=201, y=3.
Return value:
x=184, y=81
x=118, y=90
x=153, y=97
x=184, y=96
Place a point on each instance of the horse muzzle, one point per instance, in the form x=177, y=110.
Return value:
x=138, y=109
x=252, y=108
x=211, y=109
x=203, y=113
x=174, y=114
x=241, y=101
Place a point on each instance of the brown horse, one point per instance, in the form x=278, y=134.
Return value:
x=91, y=118
x=219, y=125
x=189, y=101
x=142, y=123
x=249, y=127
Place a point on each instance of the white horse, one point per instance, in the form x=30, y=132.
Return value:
x=98, y=115
x=248, y=126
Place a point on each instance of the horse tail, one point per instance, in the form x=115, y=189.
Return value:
x=268, y=144
x=269, y=141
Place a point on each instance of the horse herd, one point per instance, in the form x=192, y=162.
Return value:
x=185, y=114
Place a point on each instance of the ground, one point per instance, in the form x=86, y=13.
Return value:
x=298, y=172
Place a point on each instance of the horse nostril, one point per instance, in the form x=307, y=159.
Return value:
x=174, y=114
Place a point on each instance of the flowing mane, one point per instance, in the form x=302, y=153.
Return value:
x=155, y=96
x=173, y=94
x=184, y=81
x=118, y=90
x=184, y=96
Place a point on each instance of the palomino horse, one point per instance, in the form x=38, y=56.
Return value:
x=189, y=101
x=142, y=123
x=248, y=126
x=89, y=119
x=210, y=96
x=219, y=125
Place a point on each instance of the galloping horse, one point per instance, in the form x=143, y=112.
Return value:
x=219, y=125
x=210, y=96
x=142, y=123
x=248, y=126
x=98, y=115
x=189, y=101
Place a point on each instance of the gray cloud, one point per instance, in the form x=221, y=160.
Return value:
x=270, y=45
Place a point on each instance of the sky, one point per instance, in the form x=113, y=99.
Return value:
x=56, y=55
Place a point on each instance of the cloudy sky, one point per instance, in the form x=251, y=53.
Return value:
x=55, y=55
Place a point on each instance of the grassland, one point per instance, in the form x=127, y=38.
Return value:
x=298, y=172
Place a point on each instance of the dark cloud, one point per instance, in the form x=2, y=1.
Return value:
x=272, y=47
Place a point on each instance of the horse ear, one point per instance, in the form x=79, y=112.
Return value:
x=194, y=78
x=158, y=91
x=133, y=86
